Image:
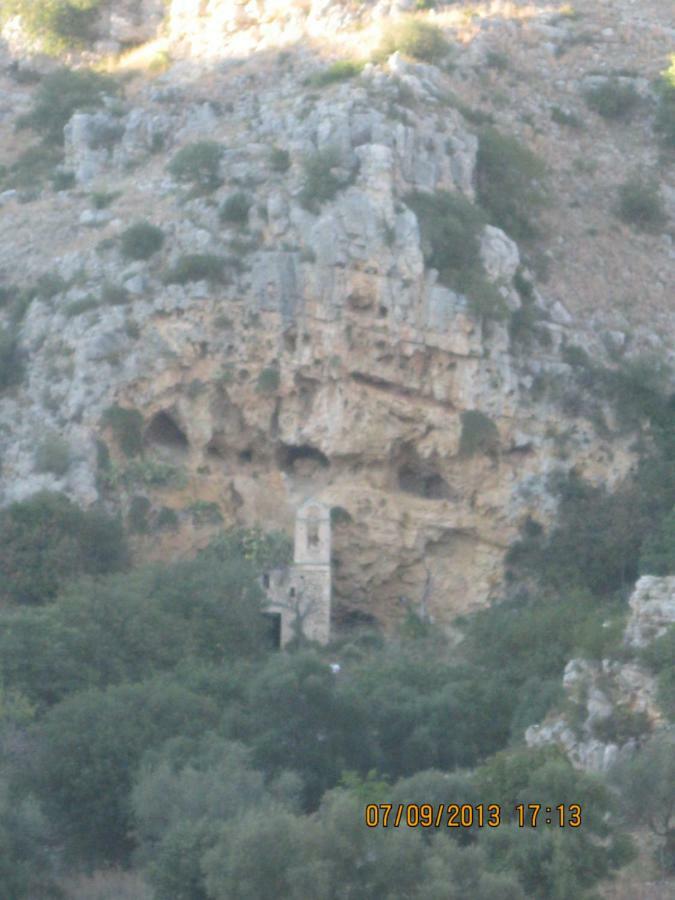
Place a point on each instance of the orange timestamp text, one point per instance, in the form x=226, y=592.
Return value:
x=471, y=815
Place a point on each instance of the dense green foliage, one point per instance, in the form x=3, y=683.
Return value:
x=63, y=93
x=10, y=361
x=87, y=747
x=644, y=785
x=127, y=426
x=58, y=24
x=450, y=227
x=479, y=434
x=198, y=165
x=509, y=183
x=342, y=70
x=280, y=159
x=641, y=204
x=141, y=241
x=53, y=455
x=198, y=267
x=415, y=38
x=320, y=181
x=657, y=555
x=47, y=540
x=613, y=99
x=236, y=208
x=145, y=720
x=665, y=116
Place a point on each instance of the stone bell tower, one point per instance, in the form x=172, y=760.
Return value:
x=311, y=574
x=300, y=597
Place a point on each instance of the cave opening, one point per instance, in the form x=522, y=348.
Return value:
x=423, y=483
x=164, y=431
x=301, y=459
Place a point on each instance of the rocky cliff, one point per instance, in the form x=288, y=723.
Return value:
x=328, y=357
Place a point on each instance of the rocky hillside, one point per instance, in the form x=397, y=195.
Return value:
x=248, y=269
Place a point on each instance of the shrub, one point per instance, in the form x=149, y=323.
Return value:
x=450, y=228
x=47, y=540
x=141, y=241
x=497, y=59
x=236, y=208
x=149, y=473
x=78, y=307
x=665, y=116
x=49, y=285
x=509, y=183
x=411, y=37
x=280, y=160
x=138, y=514
x=53, y=455
x=33, y=167
x=645, y=788
x=320, y=183
x=113, y=294
x=167, y=519
x=268, y=381
x=640, y=204
x=338, y=71
x=58, y=24
x=198, y=165
x=621, y=726
x=103, y=199
x=63, y=180
x=10, y=361
x=127, y=426
x=198, y=267
x=479, y=434
x=62, y=94
x=658, y=551
x=613, y=99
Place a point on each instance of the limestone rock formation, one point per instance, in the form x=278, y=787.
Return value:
x=321, y=356
x=611, y=703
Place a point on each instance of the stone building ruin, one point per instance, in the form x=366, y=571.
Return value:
x=299, y=596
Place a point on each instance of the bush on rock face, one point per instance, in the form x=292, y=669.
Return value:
x=141, y=241
x=613, y=100
x=641, y=204
x=421, y=40
x=509, y=183
x=57, y=25
x=198, y=165
x=198, y=267
x=62, y=94
x=665, y=117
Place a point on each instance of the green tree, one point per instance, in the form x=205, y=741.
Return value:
x=87, y=749
x=297, y=718
x=645, y=788
x=47, y=540
x=198, y=165
x=62, y=94
x=509, y=183
x=657, y=556
x=129, y=627
x=186, y=791
x=27, y=848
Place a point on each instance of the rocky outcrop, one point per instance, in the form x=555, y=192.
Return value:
x=652, y=605
x=611, y=704
x=326, y=359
